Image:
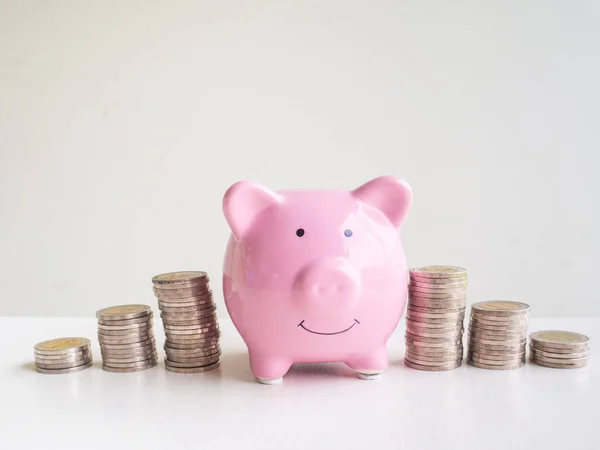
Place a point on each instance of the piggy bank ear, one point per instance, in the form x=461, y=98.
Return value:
x=391, y=196
x=244, y=201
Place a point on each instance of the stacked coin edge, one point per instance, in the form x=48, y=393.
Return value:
x=63, y=355
x=497, y=335
x=559, y=349
x=434, y=318
x=190, y=323
x=126, y=338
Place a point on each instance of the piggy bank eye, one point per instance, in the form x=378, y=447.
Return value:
x=300, y=232
x=348, y=233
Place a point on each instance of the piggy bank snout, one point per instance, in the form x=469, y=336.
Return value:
x=327, y=286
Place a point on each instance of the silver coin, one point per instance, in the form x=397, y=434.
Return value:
x=559, y=366
x=439, y=368
x=150, y=365
x=200, y=326
x=500, y=308
x=424, y=362
x=148, y=348
x=130, y=365
x=181, y=277
x=120, y=333
x=192, y=369
x=191, y=353
x=414, y=293
x=495, y=362
x=175, y=294
x=438, y=272
x=62, y=346
x=505, y=342
x=195, y=336
x=437, y=304
x=126, y=328
x=437, y=288
x=416, y=357
x=183, y=303
x=570, y=355
x=123, y=312
x=436, y=332
x=500, y=347
x=143, y=319
x=495, y=359
x=63, y=357
x=498, y=327
x=427, y=310
x=496, y=335
x=434, y=318
x=433, y=340
x=121, y=340
x=62, y=365
x=193, y=343
x=117, y=362
x=494, y=367
x=197, y=332
x=497, y=354
x=559, y=339
x=193, y=363
x=202, y=309
x=132, y=345
x=434, y=351
x=435, y=325
x=538, y=357
x=63, y=371
x=443, y=344
x=195, y=285
x=190, y=323
x=439, y=283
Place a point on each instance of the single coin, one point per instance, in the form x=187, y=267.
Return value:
x=438, y=272
x=496, y=354
x=184, y=357
x=194, y=343
x=559, y=360
x=535, y=346
x=505, y=342
x=63, y=371
x=191, y=353
x=473, y=346
x=182, y=277
x=123, y=322
x=206, y=310
x=559, y=366
x=494, y=367
x=434, y=351
x=416, y=357
x=124, y=333
x=496, y=335
x=192, y=328
x=559, y=339
x=129, y=369
x=190, y=323
x=426, y=310
x=434, y=318
x=498, y=326
x=57, y=366
x=196, y=336
x=501, y=308
x=130, y=365
x=132, y=345
x=437, y=296
x=495, y=362
x=120, y=340
x=132, y=359
x=437, y=304
x=424, y=362
x=137, y=355
x=192, y=369
x=197, y=332
x=455, y=333
x=187, y=291
x=196, y=284
x=193, y=363
x=189, y=306
x=431, y=340
x=439, y=368
x=439, y=283
x=126, y=328
x=534, y=351
x=63, y=356
x=445, y=344
x=425, y=292
x=499, y=320
x=434, y=325
x=502, y=358
x=123, y=312
x=62, y=345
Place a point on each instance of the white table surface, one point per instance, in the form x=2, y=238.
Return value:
x=316, y=407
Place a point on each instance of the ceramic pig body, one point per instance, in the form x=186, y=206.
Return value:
x=316, y=275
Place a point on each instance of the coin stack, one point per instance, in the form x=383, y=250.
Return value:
x=190, y=322
x=497, y=335
x=559, y=349
x=434, y=318
x=126, y=338
x=64, y=355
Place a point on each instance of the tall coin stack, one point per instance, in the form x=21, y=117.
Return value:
x=559, y=349
x=64, y=355
x=190, y=322
x=126, y=338
x=497, y=335
x=434, y=318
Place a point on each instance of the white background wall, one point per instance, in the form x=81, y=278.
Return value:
x=122, y=124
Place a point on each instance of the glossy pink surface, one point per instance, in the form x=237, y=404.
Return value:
x=316, y=275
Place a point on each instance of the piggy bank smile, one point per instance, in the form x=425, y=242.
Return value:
x=301, y=324
x=316, y=276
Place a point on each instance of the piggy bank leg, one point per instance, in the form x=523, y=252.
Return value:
x=268, y=369
x=370, y=365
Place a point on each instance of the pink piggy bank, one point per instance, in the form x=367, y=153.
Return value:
x=316, y=275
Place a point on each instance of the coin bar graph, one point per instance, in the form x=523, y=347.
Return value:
x=497, y=332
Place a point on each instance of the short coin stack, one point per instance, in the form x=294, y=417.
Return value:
x=434, y=318
x=497, y=335
x=126, y=338
x=559, y=349
x=63, y=355
x=190, y=322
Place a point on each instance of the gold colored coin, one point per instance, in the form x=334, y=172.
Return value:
x=62, y=344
